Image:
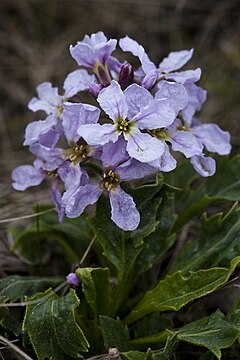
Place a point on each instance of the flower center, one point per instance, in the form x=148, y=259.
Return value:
x=123, y=126
x=161, y=134
x=110, y=180
x=60, y=110
x=77, y=153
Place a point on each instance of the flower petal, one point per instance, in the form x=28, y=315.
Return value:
x=48, y=100
x=213, y=138
x=56, y=197
x=205, y=166
x=166, y=162
x=114, y=153
x=78, y=80
x=96, y=134
x=143, y=147
x=175, y=60
x=185, y=76
x=83, y=54
x=112, y=101
x=196, y=97
x=80, y=199
x=185, y=142
x=155, y=115
x=35, y=128
x=136, y=97
x=133, y=169
x=128, y=44
x=76, y=115
x=175, y=93
x=26, y=176
x=123, y=210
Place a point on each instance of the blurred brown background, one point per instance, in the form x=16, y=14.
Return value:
x=35, y=36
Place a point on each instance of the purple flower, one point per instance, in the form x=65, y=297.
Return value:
x=72, y=279
x=166, y=70
x=116, y=170
x=131, y=110
x=95, y=52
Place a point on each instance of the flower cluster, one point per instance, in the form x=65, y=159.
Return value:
x=141, y=117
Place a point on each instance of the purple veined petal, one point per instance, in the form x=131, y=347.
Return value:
x=155, y=115
x=143, y=147
x=185, y=76
x=76, y=115
x=52, y=157
x=213, y=138
x=70, y=174
x=175, y=60
x=114, y=153
x=48, y=100
x=205, y=166
x=133, y=169
x=80, y=199
x=128, y=44
x=49, y=138
x=175, y=93
x=150, y=79
x=83, y=54
x=185, y=142
x=72, y=279
x=123, y=210
x=26, y=176
x=56, y=197
x=35, y=128
x=166, y=162
x=136, y=98
x=78, y=80
x=96, y=134
x=94, y=38
x=114, y=65
x=196, y=97
x=112, y=101
x=104, y=50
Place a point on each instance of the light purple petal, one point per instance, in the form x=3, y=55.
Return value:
x=49, y=138
x=123, y=210
x=196, y=97
x=82, y=197
x=133, y=169
x=26, y=176
x=96, y=134
x=48, y=100
x=128, y=44
x=175, y=60
x=72, y=279
x=95, y=38
x=56, y=197
x=83, y=54
x=166, y=162
x=155, y=115
x=112, y=101
x=150, y=79
x=114, y=65
x=103, y=51
x=213, y=138
x=70, y=174
x=185, y=76
x=205, y=166
x=35, y=128
x=185, y=142
x=75, y=115
x=114, y=153
x=175, y=93
x=143, y=147
x=52, y=157
x=78, y=80
x=136, y=98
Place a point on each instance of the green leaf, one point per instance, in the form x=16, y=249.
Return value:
x=224, y=185
x=218, y=243
x=115, y=334
x=175, y=291
x=52, y=327
x=16, y=287
x=9, y=323
x=96, y=288
x=213, y=332
x=137, y=355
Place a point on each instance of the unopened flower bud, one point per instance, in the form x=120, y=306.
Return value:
x=126, y=76
x=150, y=79
x=94, y=89
x=72, y=279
